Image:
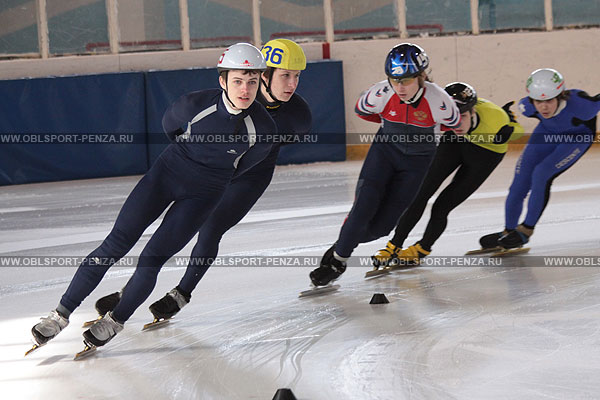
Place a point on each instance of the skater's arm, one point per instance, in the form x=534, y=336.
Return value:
x=511, y=131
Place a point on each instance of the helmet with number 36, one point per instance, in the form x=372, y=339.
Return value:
x=284, y=54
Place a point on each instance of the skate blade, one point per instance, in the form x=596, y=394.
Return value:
x=88, y=350
x=510, y=252
x=87, y=324
x=483, y=251
x=403, y=265
x=319, y=290
x=32, y=349
x=157, y=323
x=390, y=268
x=377, y=272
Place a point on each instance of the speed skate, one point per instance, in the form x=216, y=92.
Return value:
x=483, y=250
x=498, y=251
x=157, y=323
x=390, y=268
x=319, y=290
x=87, y=351
x=510, y=252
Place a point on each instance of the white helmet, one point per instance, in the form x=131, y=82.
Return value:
x=242, y=56
x=545, y=84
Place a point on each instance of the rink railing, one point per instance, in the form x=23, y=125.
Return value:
x=116, y=46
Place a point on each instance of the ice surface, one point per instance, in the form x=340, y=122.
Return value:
x=519, y=329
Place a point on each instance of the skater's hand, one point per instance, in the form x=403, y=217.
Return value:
x=507, y=110
x=503, y=134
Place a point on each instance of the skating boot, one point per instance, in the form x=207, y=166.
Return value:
x=411, y=256
x=102, y=331
x=327, y=256
x=489, y=243
x=170, y=304
x=387, y=256
x=104, y=305
x=515, y=238
x=332, y=266
x=107, y=303
x=47, y=329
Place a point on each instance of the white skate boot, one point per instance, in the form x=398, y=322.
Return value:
x=47, y=329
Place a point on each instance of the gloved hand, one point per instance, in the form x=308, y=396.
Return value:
x=507, y=110
x=503, y=134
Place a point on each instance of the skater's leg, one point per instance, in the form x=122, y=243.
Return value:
x=147, y=201
x=532, y=155
x=179, y=226
x=375, y=176
x=446, y=160
x=477, y=166
x=400, y=193
x=240, y=196
x=559, y=161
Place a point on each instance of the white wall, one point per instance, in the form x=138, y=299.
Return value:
x=496, y=65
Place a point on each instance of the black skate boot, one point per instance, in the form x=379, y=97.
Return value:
x=327, y=256
x=103, y=305
x=107, y=303
x=102, y=331
x=491, y=241
x=331, y=268
x=515, y=238
x=170, y=304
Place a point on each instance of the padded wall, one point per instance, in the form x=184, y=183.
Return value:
x=70, y=117
x=110, y=125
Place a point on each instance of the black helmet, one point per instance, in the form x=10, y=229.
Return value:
x=463, y=95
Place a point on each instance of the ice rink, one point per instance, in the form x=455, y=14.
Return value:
x=525, y=328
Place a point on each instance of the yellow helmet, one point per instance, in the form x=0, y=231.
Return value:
x=285, y=54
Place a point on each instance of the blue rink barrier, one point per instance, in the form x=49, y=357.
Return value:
x=107, y=125
x=56, y=129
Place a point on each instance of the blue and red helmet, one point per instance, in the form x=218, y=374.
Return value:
x=406, y=60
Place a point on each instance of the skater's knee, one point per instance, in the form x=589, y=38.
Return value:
x=119, y=242
x=378, y=230
x=440, y=210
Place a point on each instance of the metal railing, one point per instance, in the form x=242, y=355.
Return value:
x=185, y=43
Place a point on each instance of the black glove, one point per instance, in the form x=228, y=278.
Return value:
x=507, y=110
x=588, y=97
x=503, y=134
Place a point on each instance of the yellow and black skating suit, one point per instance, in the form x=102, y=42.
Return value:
x=490, y=121
x=473, y=156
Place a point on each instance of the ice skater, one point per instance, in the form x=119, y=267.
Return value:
x=473, y=149
x=285, y=60
x=189, y=178
x=566, y=130
x=410, y=110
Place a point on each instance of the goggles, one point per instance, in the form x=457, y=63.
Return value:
x=403, y=81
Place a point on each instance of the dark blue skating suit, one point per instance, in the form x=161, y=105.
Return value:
x=292, y=118
x=555, y=145
x=190, y=177
x=397, y=160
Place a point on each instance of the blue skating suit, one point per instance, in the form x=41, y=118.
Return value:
x=555, y=145
x=191, y=178
x=292, y=117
